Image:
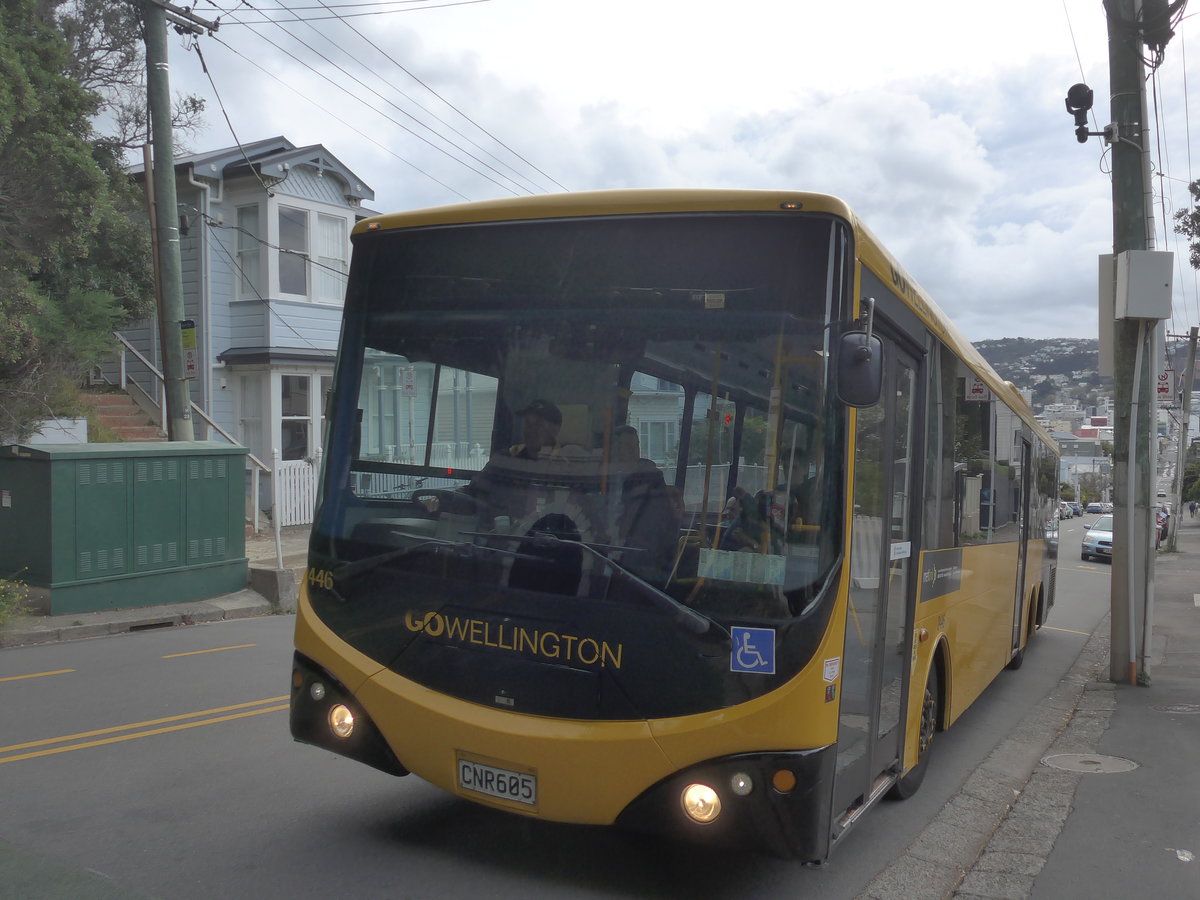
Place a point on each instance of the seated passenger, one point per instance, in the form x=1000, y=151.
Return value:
x=796, y=508
x=646, y=519
x=541, y=421
x=499, y=490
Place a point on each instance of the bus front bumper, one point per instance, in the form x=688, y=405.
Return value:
x=325, y=714
x=777, y=803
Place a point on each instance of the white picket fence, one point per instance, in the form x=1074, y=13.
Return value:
x=296, y=480
x=296, y=483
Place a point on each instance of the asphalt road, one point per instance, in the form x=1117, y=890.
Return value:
x=158, y=764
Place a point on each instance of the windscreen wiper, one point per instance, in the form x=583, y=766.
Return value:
x=683, y=615
x=424, y=543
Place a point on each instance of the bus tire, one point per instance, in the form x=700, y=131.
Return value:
x=910, y=781
x=1019, y=658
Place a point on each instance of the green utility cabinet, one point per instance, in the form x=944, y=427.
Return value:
x=111, y=526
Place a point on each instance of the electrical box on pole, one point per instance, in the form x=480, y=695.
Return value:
x=1144, y=281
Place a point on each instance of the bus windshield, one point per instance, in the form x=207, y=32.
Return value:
x=632, y=409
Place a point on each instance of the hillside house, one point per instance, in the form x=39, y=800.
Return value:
x=265, y=250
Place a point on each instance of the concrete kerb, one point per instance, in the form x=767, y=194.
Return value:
x=994, y=836
x=278, y=586
x=49, y=629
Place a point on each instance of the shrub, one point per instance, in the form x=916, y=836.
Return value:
x=14, y=596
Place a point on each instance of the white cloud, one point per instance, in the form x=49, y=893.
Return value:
x=942, y=124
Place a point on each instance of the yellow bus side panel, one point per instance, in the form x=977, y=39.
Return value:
x=975, y=622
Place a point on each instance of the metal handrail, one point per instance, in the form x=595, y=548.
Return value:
x=162, y=381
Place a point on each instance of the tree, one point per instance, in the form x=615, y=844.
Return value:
x=107, y=58
x=1187, y=223
x=74, y=260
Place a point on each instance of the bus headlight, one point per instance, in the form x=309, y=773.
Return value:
x=341, y=720
x=701, y=803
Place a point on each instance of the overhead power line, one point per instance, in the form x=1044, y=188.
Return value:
x=382, y=12
x=514, y=183
x=338, y=118
x=423, y=84
x=358, y=81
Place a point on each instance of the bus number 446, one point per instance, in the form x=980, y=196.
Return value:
x=322, y=578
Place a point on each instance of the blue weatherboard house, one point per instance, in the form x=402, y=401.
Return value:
x=265, y=249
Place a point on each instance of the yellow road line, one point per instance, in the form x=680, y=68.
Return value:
x=36, y=675
x=142, y=734
x=213, y=650
x=88, y=734
x=1068, y=630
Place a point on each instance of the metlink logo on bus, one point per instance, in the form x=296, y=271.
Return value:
x=536, y=642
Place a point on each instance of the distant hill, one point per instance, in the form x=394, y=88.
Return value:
x=1016, y=359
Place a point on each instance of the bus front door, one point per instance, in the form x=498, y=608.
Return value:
x=874, y=657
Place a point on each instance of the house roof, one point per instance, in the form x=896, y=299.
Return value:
x=251, y=356
x=271, y=158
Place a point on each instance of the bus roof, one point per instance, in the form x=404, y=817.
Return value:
x=608, y=203
x=869, y=249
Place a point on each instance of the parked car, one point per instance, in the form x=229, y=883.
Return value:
x=1078, y=507
x=1098, y=540
x=1065, y=511
x=1095, y=508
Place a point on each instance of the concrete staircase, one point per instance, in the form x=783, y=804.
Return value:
x=123, y=417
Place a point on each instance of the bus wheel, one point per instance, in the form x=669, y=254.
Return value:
x=1018, y=660
x=911, y=780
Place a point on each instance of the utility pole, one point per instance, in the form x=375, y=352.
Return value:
x=1189, y=375
x=177, y=416
x=1133, y=469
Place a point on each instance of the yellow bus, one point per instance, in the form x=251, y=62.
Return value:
x=680, y=510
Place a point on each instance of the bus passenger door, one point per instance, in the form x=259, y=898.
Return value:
x=1023, y=517
x=875, y=654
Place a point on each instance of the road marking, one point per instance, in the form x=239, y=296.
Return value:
x=36, y=675
x=1068, y=630
x=213, y=650
x=139, y=734
x=142, y=734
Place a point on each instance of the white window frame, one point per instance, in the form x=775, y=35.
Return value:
x=332, y=258
x=306, y=416
x=300, y=255
x=319, y=253
x=249, y=246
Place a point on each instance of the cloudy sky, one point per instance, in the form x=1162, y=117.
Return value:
x=941, y=121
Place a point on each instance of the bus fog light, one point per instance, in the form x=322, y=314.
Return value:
x=317, y=691
x=701, y=803
x=741, y=784
x=341, y=721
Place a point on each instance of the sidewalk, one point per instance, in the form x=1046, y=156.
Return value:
x=1137, y=833
x=1097, y=793
x=269, y=597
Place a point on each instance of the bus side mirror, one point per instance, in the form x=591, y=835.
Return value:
x=859, y=368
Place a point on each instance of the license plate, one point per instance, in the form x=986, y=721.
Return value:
x=497, y=781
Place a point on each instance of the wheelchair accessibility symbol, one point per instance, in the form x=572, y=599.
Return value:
x=753, y=650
